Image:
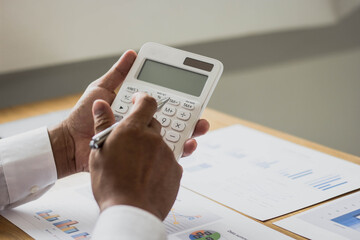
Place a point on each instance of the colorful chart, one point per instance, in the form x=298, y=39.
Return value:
x=205, y=235
x=67, y=226
x=183, y=217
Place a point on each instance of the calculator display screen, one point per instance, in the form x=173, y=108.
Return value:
x=172, y=77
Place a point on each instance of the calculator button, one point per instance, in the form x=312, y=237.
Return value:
x=188, y=106
x=131, y=89
x=171, y=146
x=178, y=126
x=164, y=121
x=147, y=92
x=163, y=131
x=172, y=136
x=174, y=102
x=126, y=98
x=155, y=116
x=118, y=117
x=183, y=115
x=122, y=108
x=159, y=95
x=167, y=110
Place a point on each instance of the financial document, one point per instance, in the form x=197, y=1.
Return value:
x=339, y=219
x=70, y=212
x=264, y=176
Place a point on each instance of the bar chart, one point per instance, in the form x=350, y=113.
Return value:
x=67, y=226
x=351, y=220
x=263, y=176
x=47, y=214
x=338, y=219
x=328, y=182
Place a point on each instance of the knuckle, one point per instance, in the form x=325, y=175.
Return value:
x=148, y=100
x=101, y=123
x=132, y=129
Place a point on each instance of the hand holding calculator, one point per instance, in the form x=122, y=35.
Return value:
x=186, y=79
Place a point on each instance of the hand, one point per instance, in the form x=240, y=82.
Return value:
x=134, y=166
x=70, y=139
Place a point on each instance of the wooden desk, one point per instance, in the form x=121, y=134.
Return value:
x=216, y=119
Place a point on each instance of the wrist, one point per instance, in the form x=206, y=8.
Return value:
x=120, y=201
x=62, y=146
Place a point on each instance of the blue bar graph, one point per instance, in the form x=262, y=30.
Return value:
x=334, y=186
x=328, y=182
x=303, y=175
x=323, y=179
x=335, y=179
x=322, y=183
x=300, y=173
x=351, y=220
x=46, y=211
x=58, y=223
x=80, y=235
x=296, y=175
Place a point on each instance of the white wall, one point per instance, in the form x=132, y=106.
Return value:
x=49, y=32
x=316, y=98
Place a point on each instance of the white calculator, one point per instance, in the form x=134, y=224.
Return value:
x=187, y=79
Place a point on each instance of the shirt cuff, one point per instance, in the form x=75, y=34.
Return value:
x=128, y=222
x=28, y=163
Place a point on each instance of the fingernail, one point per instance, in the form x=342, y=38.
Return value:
x=98, y=109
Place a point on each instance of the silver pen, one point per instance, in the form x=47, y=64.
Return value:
x=98, y=139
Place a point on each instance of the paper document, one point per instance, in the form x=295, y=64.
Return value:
x=195, y=217
x=72, y=213
x=264, y=176
x=339, y=219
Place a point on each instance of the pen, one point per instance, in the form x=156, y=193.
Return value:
x=98, y=139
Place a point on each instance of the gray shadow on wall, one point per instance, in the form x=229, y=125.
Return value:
x=236, y=54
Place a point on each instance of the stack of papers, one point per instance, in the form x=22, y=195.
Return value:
x=252, y=172
x=71, y=213
x=264, y=176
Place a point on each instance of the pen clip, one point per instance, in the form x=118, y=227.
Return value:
x=162, y=102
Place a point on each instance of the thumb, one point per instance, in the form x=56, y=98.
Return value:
x=103, y=115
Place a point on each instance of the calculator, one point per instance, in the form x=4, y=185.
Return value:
x=186, y=78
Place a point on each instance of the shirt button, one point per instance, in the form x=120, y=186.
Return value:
x=34, y=189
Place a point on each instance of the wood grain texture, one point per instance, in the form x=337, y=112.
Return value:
x=217, y=120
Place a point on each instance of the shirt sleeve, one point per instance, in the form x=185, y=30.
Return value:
x=128, y=222
x=27, y=167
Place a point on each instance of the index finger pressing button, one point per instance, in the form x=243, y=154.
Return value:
x=143, y=109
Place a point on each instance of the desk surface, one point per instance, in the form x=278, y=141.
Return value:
x=216, y=119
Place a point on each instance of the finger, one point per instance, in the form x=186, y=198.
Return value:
x=189, y=147
x=103, y=115
x=155, y=125
x=116, y=75
x=202, y=126
x=143, y=110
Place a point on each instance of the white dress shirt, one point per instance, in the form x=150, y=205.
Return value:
x=27, y=171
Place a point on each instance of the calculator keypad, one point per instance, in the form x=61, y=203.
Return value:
x=183, y=115
x=164, y=121
x=174, y=116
